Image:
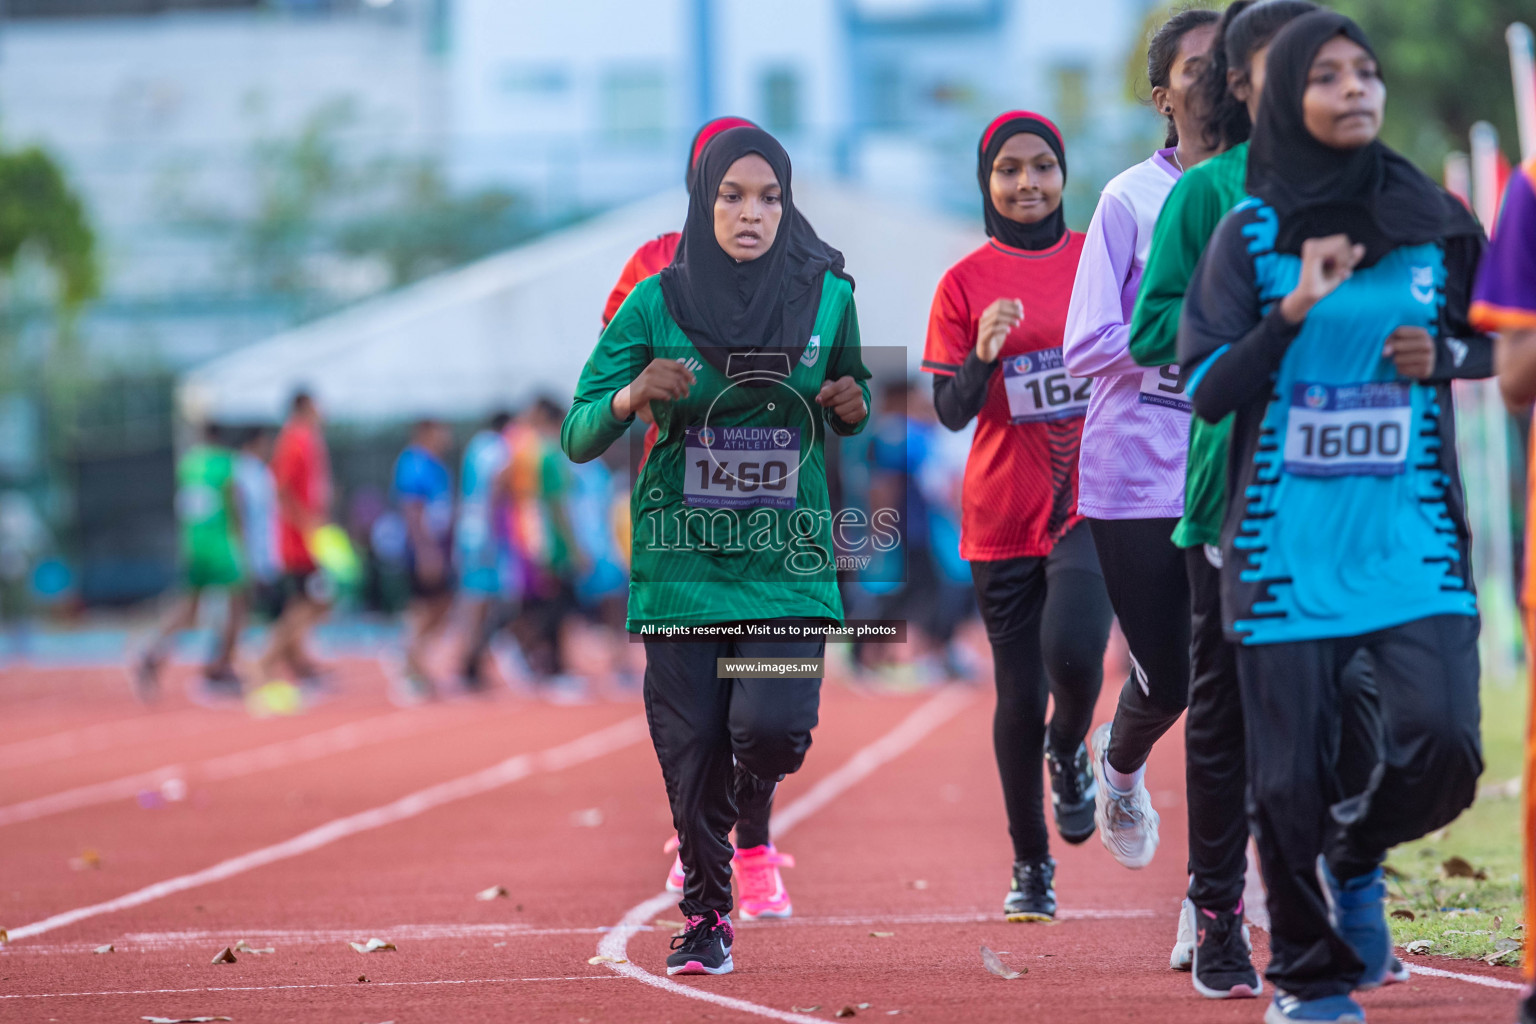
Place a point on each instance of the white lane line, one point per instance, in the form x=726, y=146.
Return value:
x=144, y=942
x=1417, y=968
x=1255, y=899
x=90, y=739
x=929, y=716
x=340, y=739
x=586, y=748
x=283, y=988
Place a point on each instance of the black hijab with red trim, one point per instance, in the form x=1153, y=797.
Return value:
x=768, y=304
x=1371, y=193
x=1042, y=234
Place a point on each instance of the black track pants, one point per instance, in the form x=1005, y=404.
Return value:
x=1145, y=576
x=721, y=740
x=1426, y=676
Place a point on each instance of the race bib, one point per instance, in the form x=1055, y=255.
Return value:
x=741, y=467
x=1352, y=430
x=1164, y=385
x=1040, y=389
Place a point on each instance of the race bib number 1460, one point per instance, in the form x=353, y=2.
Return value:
x=1039, y=388
x=1350, y=430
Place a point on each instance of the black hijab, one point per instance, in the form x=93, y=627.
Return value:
x=1372, y=194
x=766, y=304
x=1043, y=233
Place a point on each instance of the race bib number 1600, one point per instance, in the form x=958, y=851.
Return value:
x=1351, y=430
x=741, y=467
x=1039, y=388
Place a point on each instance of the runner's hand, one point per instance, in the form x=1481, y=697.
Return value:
x=664, y=380
x=1326, y=263
x=845, y=398
x=996, y=321
x=1413, y=350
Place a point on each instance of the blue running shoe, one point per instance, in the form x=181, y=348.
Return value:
x=1358, y=910
x=1331, y=1009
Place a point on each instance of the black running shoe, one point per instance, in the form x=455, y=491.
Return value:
x=1032, y=896
x=1223, y=965
x=705, y=947
x=1072, y=793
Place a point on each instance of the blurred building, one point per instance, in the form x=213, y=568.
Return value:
x=231, y=154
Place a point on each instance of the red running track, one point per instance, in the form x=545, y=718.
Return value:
x=358, y=821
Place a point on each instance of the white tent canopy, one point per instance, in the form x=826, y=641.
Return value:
x=494, y=333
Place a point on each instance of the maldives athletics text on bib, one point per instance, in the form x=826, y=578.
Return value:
x=1348, y=430
x=741, y=467
x=1040, y=389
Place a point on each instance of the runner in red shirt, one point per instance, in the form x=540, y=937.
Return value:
x=655, y=254
x=301, y=469
x=995, y=348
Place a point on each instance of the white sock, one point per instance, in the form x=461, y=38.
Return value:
x=1119, y=781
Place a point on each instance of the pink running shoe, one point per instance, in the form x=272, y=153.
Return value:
x=675, y=877
x=761, y=888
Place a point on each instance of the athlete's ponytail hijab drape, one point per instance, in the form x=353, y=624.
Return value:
x=766, y=304
x=1042, y=234
x=1371, y=193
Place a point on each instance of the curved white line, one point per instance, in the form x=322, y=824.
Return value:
x=1472, y=979
x=925, y=719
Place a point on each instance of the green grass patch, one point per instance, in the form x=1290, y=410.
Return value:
x=1470, y=917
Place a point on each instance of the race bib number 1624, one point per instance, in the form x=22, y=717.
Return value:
x=1040, y=389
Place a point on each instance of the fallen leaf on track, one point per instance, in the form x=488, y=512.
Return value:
x=495, y=892
x=374, y=946
x=1419, y=946
x=846, y=1011
x=89, y=860
x=103, y=949
x=865, y=1006
x=362, y=977
x=183, y=1020
x=225, y=956
x=4, y=936
x=605, y=959
x=881, y=935
x=1404, y=915
x=990, y=961
x=806, y=1009
x=245, y=947
x=1458, y=867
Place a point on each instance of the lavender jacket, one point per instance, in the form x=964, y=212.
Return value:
x=1137, y=432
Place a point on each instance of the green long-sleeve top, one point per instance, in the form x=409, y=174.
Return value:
x=730, y=513
x=1198, y=202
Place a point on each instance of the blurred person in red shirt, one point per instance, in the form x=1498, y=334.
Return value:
x=301, y=468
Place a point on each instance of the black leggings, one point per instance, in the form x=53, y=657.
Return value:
x=1149, y=589
x=1048, y=622
x=723, y=745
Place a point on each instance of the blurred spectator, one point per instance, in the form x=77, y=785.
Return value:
x=481, y=546
x=538, y=484
x=302, y=471
x=423, y=492
x=23, y=539
x=258, y=513
x=209, y=511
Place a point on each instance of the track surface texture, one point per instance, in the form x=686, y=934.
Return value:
x=174, y=832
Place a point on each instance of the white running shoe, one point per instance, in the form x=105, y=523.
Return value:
x=1183, y=956
x=1127, y=822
